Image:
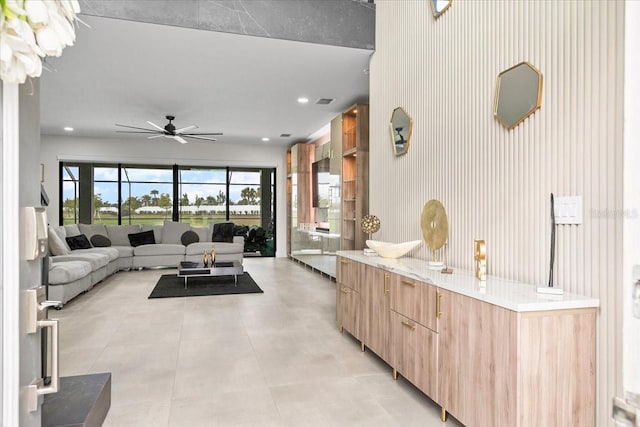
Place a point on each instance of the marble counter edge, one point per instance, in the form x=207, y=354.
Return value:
x=516, y=296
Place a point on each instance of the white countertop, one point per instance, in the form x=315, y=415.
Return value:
x=512, y=295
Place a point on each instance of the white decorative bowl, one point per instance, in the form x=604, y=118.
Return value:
x=392, y=250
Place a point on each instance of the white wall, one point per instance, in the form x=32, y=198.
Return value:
x=631, y=325
x=161, y=151
x=495, y=183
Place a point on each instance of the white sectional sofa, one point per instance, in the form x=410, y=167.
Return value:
x=83, y=255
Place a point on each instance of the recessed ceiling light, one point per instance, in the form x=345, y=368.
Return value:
x=303, y=100
x=265, y=139
x=68, y=128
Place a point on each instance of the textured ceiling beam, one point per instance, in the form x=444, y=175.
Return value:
x=346, y=23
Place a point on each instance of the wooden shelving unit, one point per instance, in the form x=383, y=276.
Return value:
x=355, y=175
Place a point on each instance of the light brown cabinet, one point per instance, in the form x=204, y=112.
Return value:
x=348, y=296
x=415, y=300
x=375, y=291
x=485, y=364
x=415, y=353
x=502, y=368
x=354, y=134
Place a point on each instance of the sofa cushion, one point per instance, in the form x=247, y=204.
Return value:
x=124, y=251
x=56, y=245
x=100, y=241
x=67, y=272
x=91, y=230
x=96, y=260
x=112, y=253
x=157, y=231
x=159, y=249
x=78, y=242
x=72, y=230
x=142, y=238
x=189, y=237
x=172, y=232
x=119, y=234
x=222, y=232
x=220, y=247
x=61, y=232
x=204, y=235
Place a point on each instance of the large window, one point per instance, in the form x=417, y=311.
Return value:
x=70, y=192
x=147, y=194
x=203, y=195
x=150, y=194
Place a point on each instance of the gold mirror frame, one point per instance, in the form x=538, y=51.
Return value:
x=436, y=11
x=395, y=129
x=517, y=95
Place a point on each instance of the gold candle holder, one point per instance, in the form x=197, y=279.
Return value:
x=205, y=259
x=480, y=257
x=213, y=256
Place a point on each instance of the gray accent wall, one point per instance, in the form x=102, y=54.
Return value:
x=30, y=271
x=345, y=23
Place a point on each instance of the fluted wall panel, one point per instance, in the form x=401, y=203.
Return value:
x=496, y=183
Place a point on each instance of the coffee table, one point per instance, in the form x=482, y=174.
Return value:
x=188, y=269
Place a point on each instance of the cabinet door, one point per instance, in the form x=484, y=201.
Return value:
x=347, y=309
x=415, y=353
x=347, y=273
x=477, y=363
x=374, y=285
x=415, y=300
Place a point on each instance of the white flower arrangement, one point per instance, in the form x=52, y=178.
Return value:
x=31, y=30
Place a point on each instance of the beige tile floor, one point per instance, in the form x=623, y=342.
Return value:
x=258, y=359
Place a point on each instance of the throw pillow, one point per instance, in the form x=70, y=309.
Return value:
x=189, y=237
x=78, y=242
x=100, y=241
x=222, y=232
x=56, y=245
x=172, y=231
x=119, y=234
x=142, y=238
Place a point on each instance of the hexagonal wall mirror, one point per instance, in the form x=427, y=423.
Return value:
x=401, y=126
x=518, y=94
x=438, y=7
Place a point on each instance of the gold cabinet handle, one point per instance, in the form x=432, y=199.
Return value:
x=409, y=325
x=386, y=283
x=438, y=304
x=408, y=283
x=345, y=290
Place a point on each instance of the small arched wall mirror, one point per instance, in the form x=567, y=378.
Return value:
x=438, y=7
x=518, y=94
x=401, y=126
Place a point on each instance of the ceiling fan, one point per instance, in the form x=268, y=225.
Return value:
x=170, y=131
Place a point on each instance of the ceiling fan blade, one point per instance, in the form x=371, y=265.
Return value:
x=134, y=127
x=200, y=133
x=186, y=129
x=200, y=137
x=155, y=126
x=179, y=139
x=155, y=136
x=137, y=131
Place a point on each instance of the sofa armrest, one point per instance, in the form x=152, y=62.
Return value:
x=238, y=239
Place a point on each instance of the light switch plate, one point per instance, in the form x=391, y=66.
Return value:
x=568, y=210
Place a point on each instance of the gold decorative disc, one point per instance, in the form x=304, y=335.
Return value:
x=434, y=224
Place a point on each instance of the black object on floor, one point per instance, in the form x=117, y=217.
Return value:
x=171, y=285
x=83, y=401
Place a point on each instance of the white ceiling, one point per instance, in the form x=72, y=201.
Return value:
x=246, y=87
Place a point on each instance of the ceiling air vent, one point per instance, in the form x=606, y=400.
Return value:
x=325, y=101
x=285, y=135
